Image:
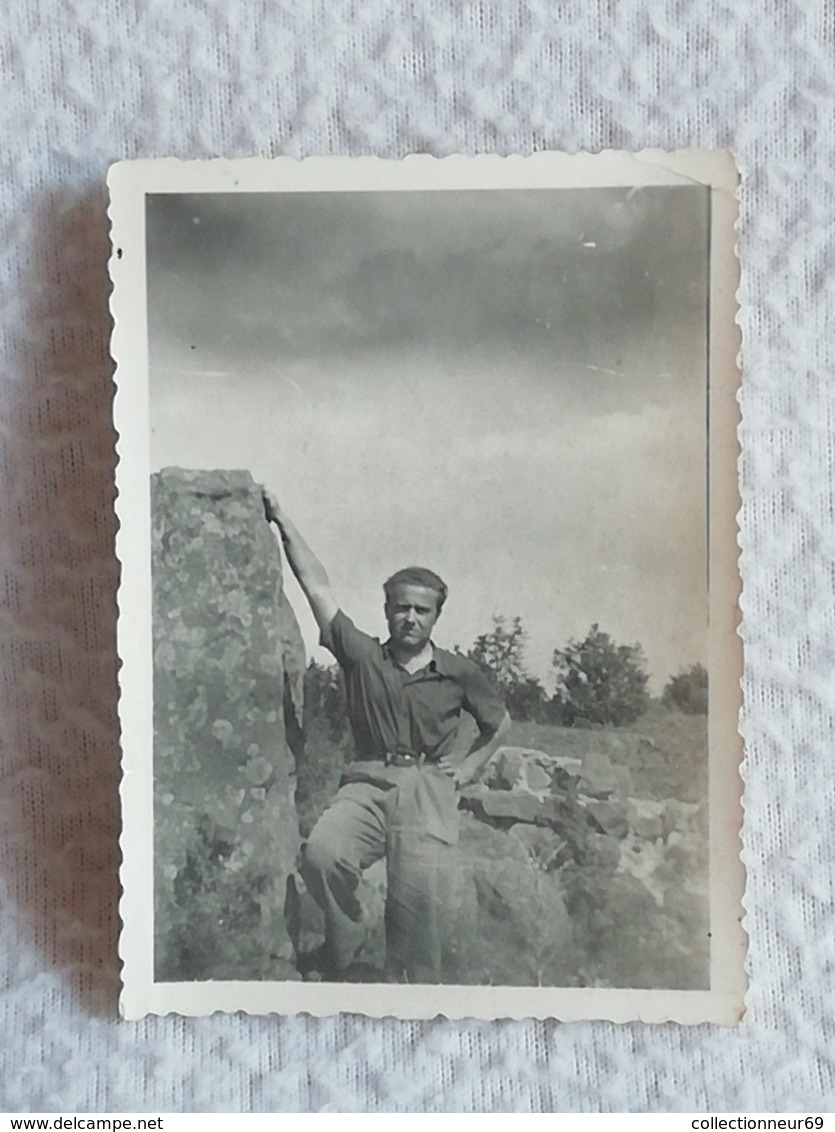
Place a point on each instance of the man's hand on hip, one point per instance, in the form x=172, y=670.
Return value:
x=456, y=769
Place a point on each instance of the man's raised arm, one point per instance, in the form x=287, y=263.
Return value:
x=310, y=572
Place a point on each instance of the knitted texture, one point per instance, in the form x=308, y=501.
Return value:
x=85, y=82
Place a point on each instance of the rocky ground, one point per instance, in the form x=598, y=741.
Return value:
x=571, y=872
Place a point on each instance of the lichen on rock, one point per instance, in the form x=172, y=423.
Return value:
x=227, y=654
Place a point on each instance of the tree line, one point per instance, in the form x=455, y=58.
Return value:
x=598, y=682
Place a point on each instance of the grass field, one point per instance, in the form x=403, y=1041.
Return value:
x=665, y=752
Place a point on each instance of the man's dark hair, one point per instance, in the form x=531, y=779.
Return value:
x=416, y=576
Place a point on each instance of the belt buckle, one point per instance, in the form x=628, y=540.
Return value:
x=404, y=758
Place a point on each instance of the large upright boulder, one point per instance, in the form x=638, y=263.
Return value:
x=228, y=662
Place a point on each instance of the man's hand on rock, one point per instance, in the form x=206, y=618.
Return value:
x=272, y=510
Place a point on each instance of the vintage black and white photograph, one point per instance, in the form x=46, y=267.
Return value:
x=429, y=667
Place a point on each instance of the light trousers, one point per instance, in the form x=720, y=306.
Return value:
x=409, y=815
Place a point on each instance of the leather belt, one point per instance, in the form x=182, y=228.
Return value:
x=395, y=758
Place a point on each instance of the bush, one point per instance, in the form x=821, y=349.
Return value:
x=327, y=742
x=500, y=654
x=324, y=699
x=687, y=691
x=599, y=681
x=525, y=700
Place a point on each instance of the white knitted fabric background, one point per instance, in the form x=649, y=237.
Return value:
x=85, y=82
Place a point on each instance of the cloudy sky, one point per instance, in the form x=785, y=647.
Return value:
x=508, y=387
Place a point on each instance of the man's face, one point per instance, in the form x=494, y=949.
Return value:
x=411, y=613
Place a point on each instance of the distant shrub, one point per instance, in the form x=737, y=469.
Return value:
x=324, y=699
x=687, y=691
x=526, y=700
x=327, y=742
x=599, y=682
x=501, y=655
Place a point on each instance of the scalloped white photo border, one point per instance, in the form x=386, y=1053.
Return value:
x=129, y=184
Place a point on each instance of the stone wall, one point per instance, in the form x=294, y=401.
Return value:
x=562, y=878
x=228, y=665
x=601, y=887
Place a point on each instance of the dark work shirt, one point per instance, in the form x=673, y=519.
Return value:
x=392, y=711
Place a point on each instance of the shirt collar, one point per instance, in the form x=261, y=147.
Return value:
x=444, y=662
x=438, y=663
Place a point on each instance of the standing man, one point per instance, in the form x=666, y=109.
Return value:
x=398, y=796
